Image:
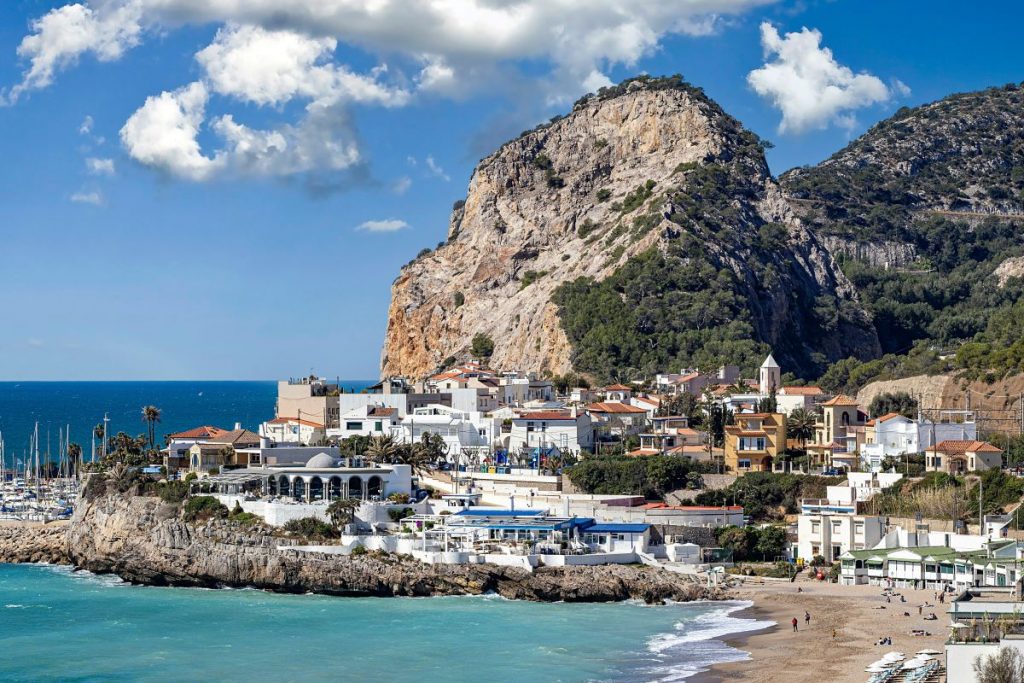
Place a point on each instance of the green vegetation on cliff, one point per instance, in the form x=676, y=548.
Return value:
x=944, y=182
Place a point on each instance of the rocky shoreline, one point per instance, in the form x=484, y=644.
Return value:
x=145, y=541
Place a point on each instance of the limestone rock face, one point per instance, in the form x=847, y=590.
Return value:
x=533, y=212
x=144, y=540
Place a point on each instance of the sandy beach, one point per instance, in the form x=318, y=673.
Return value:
x=811, y=654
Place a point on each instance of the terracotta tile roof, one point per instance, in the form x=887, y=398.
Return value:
x=840, y=400
x=618, y=387
x=381, y=411
x=237, y=436
x=612, y=407
x=953, y=447
x=546, y=415
x=883, y=418
x=802, y=391
x=689, y=377
x=204, y=432
x=289, y=420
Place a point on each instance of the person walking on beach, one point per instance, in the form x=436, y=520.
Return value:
x=807, y=618
x=833, y=634
x=795, y=622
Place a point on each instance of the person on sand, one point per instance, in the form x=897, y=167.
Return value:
x=833, y=634
x=795, y=622
x=807, y=618
x=920, y=609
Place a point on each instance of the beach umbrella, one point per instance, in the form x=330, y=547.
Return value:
x=876, y=669
x=928, y=652
x=957, y=624
x=913, y=664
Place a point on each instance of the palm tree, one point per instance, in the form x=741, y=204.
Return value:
x=74, y=456
x=801, y=426
x=151, y=415
x=342, y=511
x=382, y=449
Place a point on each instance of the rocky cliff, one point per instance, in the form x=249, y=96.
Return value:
x=652, y=190
x=145, y=540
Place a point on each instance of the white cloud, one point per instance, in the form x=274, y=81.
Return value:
x=807, y=84
x=162, y=133
x=449, y=36
x=64, y=34
x=386, y=225
x=435, y=169
x=273, y=67
x=82, y=197
x=100, y=166
x=86, y=126
x=269, y=53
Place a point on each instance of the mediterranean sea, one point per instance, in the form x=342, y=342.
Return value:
x=60, y=625
x=81, y=405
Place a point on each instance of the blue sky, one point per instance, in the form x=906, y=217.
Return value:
x=133, y=250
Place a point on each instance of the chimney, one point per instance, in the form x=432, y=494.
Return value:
x=238, y=425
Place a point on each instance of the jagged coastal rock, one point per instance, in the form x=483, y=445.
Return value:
x=144, y=540
x=646, y=170
x=34, y=543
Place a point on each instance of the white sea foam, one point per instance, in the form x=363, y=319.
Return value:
x=697, y=642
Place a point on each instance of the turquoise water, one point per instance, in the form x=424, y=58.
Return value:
x=81, y=405
x=59, y=625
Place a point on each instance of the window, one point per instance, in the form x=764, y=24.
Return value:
x=859, y=528
x=378, y=426
x=743, y=464
x=353, y=426
x=529, y=426
x=815, y=527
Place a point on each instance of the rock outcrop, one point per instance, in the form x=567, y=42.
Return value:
x=640, y=167
x=27, y=543
x=144, y=540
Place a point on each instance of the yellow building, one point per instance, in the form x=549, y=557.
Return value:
x=754, y=441
x=836, y=434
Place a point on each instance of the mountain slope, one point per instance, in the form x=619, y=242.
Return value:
x=925, y=212
x=641, y=232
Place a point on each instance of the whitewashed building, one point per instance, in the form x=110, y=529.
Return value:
x=561, y=429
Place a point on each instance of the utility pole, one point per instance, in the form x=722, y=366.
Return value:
x=981, y=513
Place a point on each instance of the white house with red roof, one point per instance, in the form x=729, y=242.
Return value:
x=959, y=457
x=293, y=430
x=369, y=420
x=568, y=431
x=617, y=418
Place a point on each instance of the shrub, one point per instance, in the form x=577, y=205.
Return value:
x=202, y=508
x=458, y=298
x=531, y=276
x=173, y=491
x=423, y=252
x=482, y=346
x=543, y=162
x=398, y=514
x=359, y=550
x=399, y=497
x=586, y=227
x=311, y=528
x=604, y=194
